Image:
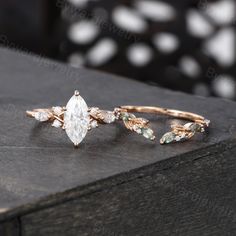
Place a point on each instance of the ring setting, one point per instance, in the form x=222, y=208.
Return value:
x=76, y=118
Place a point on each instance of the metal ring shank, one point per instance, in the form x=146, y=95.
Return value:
x=164, y=111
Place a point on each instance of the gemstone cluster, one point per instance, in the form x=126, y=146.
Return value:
x=138, y=125
x=182, y=132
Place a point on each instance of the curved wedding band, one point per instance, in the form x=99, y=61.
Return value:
x=77, y=119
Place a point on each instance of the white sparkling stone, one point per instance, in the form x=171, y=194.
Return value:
x=188, y=125
x=41, y=116
x=207, y=122
x=178, y=138
x=137, y=129
x=109, y=117
x=57, y=110
x=76, y=119
x=94, y=110
x=56, y=123
x=94, y=124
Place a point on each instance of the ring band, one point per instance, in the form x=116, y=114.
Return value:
x=77, y=118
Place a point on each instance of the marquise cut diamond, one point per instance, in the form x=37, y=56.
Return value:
x=76, y=119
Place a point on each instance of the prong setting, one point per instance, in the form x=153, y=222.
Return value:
x=76, y=93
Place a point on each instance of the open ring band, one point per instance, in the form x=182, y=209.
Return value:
x=77, y=118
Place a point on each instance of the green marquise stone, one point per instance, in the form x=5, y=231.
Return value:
x=125, y=116
x=148, y=133
x=168, y=138
x=196, y=127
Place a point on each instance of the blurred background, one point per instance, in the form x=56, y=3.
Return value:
x=186, y=45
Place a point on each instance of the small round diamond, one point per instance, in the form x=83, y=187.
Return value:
x=207, y=122
x=41, y=116
x=56, y=123
x=179, y=137
x=109, y=117
x=57, y=110
x=94, y=124
x=137, y=129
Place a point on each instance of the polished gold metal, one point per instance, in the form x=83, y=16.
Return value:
x=164, y=111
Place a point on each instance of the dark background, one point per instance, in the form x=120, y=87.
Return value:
x=85, y=33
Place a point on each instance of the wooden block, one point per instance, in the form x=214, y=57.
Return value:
x=10, y=228
x=116, y=183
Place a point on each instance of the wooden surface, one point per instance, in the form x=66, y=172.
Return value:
x=190, y=199
x=116, y=183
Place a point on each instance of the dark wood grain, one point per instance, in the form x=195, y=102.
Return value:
x=197, y=198
x=45, y=181
x=10, y=228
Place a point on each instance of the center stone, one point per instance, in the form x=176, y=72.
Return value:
x=76, y=119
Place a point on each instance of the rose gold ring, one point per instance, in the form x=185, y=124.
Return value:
x=76, y=118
